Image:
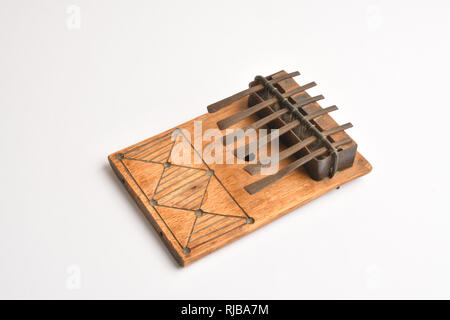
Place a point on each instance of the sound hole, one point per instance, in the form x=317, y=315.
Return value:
x=250, y=157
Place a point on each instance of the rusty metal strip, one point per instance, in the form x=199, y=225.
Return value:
x=267, y=181
x=227, y=101
x=244, y=150
x=230, y=138
x=256, y=168
x=235, y=118
x=304, y=122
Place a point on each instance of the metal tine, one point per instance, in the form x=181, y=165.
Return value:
x=258, y=124
x=245, y=150
x=227, y=101
x=291, y=150
x=337, y=129
x=321, y=112
x=291, y=125
x=227, y=122
x=267, y=181
x=256, y=168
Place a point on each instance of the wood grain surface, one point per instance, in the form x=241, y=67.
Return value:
x=198, y=208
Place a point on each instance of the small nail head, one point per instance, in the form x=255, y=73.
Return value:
x=153, y=202
x=186, y=250
x=250, y=220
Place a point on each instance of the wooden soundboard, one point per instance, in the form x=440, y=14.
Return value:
x=199, y=208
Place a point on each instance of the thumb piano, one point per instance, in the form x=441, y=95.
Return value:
x=198, y=205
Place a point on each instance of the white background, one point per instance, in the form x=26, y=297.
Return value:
x=74, y=90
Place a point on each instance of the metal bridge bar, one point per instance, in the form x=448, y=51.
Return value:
x=306, y=123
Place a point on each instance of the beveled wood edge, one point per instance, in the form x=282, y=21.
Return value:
x=115, y=166
x=184, y=260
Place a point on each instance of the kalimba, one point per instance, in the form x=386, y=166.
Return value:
x=198, y=205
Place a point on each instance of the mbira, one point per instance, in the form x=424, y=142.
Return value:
x=198, y=206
